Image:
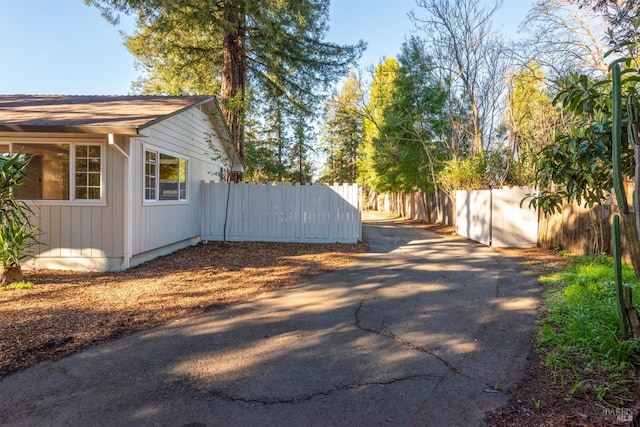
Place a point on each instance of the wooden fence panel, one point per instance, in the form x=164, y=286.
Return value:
x=281, y=213
x=578, y=229
x=495, y=217
x=435, y=208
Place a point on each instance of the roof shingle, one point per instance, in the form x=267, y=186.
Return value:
x=69, y=112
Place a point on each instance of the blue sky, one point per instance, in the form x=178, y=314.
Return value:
x=66, y=47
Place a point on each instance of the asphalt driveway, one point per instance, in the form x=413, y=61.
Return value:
x=423, y=330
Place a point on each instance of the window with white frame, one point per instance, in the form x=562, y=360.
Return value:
x=62, y=172
x=165, y=176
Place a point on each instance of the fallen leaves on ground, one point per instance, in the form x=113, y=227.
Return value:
x=69, y=311
x=66, y=312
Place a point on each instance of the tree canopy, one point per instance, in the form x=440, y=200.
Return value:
x=342, y=133
x=242, y=48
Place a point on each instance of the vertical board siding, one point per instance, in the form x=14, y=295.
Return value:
x=86, y=235
x=495, y=217
x=92, y=237
x=281, y=213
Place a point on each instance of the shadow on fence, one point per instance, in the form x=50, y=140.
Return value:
x=577, y=229
x=281, y=213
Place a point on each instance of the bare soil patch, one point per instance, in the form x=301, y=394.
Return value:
x=66, y=312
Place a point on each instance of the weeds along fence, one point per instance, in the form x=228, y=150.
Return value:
x=281, y=213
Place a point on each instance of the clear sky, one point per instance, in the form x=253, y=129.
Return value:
x=66, y=47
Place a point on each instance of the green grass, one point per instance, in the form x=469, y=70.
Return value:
x=580, y=333
x=17, y=285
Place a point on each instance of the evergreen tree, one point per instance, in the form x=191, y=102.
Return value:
x=301, y=168
x=419, y=117
x=266, y=159
x=196, y=46
x=403, y=146
x=342, y=134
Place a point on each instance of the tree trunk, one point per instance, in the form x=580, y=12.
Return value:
x=10, y=275
x=233, y=79
x=628, y=217
x=477, y=147
x=635, y=256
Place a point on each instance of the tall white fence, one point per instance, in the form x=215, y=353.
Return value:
x=281, y=213
x=494, y=217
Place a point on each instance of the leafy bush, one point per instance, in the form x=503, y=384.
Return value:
x=17, y=234
x=16, y=286
x=469, y=173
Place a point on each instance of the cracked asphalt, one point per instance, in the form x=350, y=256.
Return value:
x=424, y=330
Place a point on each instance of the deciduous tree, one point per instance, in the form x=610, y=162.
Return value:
x=468, y=54
x=531, y=121
x=564, y=38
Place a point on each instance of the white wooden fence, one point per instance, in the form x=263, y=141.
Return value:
x=494, y=217
x=281, y=213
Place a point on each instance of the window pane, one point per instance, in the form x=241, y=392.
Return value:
x=183, y=180
x=94, y=193
x=150, y=175
x=48, y=173
x=94, y=180
x=93, y=151
x=165, y=177
x=94, y=165
x=88, y=166
x=169, y=175
x=81, y=180
x=81, y=192
x=81, y=165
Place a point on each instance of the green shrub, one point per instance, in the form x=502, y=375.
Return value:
x=17, y=234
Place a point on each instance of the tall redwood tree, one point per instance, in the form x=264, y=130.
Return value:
x=240, y=48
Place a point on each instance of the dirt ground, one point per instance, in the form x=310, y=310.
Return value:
x=547, y=399
x=66, y=312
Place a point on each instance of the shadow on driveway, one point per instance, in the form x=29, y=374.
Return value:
x=422, y=330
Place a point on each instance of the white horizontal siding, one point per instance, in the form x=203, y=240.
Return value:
x=156, y=226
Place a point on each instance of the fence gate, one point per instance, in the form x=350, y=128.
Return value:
x=280, y=213
x=495, y=217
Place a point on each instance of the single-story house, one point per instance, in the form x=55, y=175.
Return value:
x=114, y=180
